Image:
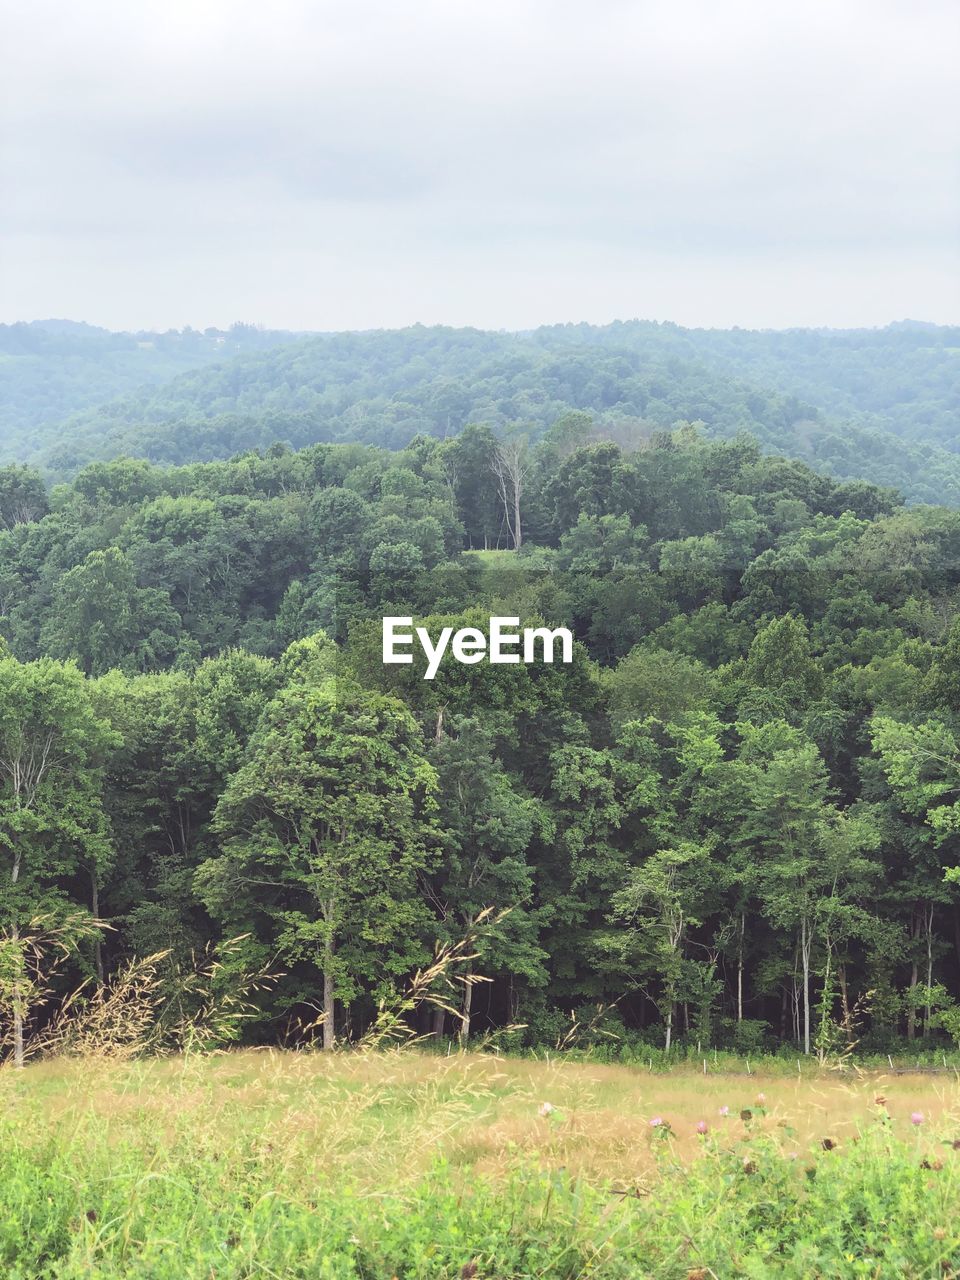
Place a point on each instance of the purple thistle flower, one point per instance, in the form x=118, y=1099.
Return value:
x=703, y=1127
x=916, y=1117
x=656, y=1122
x=724, y=1111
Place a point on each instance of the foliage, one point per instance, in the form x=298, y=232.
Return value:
x=875, y=405
x=731, y=817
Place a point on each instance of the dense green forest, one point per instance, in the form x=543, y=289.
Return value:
x=732, y=819
x=880, y=405
x=53, y=368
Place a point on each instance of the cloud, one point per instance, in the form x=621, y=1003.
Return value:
x=361, y=163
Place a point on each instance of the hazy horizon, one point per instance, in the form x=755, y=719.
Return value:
x=907, y=321
x=328, y=167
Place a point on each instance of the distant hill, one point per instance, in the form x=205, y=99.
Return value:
x=50, y=369
x=904, y=379
x=882, y=405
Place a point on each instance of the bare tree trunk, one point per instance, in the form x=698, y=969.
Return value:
x=740, y=970
x=914, y=974
x=805, y=960
x=465, y=1010
x=845, y=1002
x=18, y=1054
x=929, y=925
x=669, y=1039
x=827, y=998
x=510, y=468
x=328, y=908
x=95, y=909
x=329, y=1010
x=439, y=1019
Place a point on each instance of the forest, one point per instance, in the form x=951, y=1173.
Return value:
x=873, y=404
x=732, y=820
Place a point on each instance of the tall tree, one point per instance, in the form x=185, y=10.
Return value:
x=511, y=463
x=326, y=828
x=52, y=824
x=488, y=825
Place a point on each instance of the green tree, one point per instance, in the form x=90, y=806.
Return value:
x=488, y=826
x=807, y=853
x=102, y=619
x=326, y=828
x=663, y=899
x=52, y=824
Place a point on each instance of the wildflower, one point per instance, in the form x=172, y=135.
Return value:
x=761, y=1099
x=703, y=1127
x=724, y=1111
x=746, y=1114
x=656, y=1122
x=546, y=1109
x=916, y=1117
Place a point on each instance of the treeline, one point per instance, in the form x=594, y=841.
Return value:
x=875, y=405
x=731, y=820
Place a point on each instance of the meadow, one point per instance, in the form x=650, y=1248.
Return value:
x=382, y=1164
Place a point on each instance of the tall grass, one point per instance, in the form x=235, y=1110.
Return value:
x=396, y=1164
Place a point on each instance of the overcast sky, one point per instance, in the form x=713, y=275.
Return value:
x=503, y=163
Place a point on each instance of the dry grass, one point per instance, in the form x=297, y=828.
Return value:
x=386, y=1116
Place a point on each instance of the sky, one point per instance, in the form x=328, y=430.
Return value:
x=304, y=164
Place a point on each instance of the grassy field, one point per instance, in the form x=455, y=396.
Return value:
x=264, y=1164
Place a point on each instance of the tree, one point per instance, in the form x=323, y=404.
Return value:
x=52, y=824
x=663, y=899
x=781, y=675
x=326, y=828
x=511, y=463
x=103, y=619
x=921, y=764
x=659, y=683
x=23, y=496
x=488, y=825
x=469, y=463
x=806, y=852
